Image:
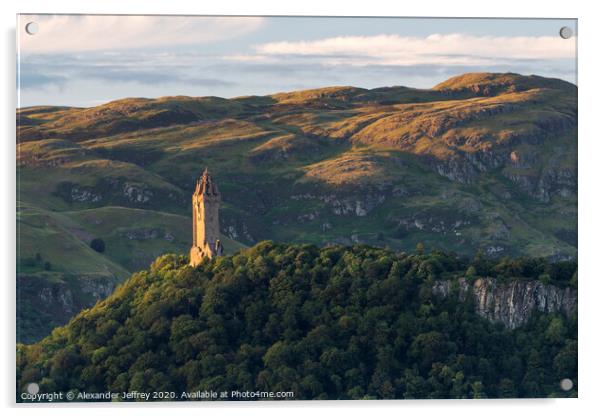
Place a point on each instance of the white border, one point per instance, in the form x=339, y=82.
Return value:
x=590, y=214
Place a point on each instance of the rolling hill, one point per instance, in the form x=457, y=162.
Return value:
x=480, y=162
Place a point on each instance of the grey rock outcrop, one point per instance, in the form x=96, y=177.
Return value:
x=514, y=302
x=54, y=303
x=354, y=204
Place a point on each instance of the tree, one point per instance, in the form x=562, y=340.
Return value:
x=471, y=274
x=420, y=249
x=507, y=389
x=565, y=362
x=545, y=278
x=556, y=331
x=478, y=390
x=428, y=348
x=573, y=281
x=98, y=245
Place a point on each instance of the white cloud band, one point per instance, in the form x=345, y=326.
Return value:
x=451, y=49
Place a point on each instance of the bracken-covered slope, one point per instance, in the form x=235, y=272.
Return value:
x=480, y=162
x=333, y=323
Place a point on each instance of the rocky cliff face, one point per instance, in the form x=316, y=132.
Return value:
x=511, y=303
x=351, y=204
x=119, y=192
x=47, y=304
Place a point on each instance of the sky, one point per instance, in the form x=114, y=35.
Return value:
x=87, y=60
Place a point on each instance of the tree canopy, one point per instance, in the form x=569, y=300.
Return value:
x=331, y=323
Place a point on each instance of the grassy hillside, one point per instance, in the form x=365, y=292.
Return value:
x=480, y=162
x=58, y=273
x=331, y=323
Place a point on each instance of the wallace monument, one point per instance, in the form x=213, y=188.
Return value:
x=205, y=220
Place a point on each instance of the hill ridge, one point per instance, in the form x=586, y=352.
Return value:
x=463, y=81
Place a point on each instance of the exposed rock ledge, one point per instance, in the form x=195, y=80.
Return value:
x=45, y=304
x=514, y=302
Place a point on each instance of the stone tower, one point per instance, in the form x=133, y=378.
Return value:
x=205, y=220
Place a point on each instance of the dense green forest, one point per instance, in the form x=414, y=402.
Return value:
x=332, y=323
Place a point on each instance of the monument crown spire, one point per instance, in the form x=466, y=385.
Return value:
x=206, y=185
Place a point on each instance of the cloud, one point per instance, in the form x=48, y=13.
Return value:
x=436, y=49
x=73, y=76
x=147, y=76
x=47, y=71
x=31, y=79
x=70, y=33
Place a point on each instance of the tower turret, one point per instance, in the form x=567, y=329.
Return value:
x=205, y=220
